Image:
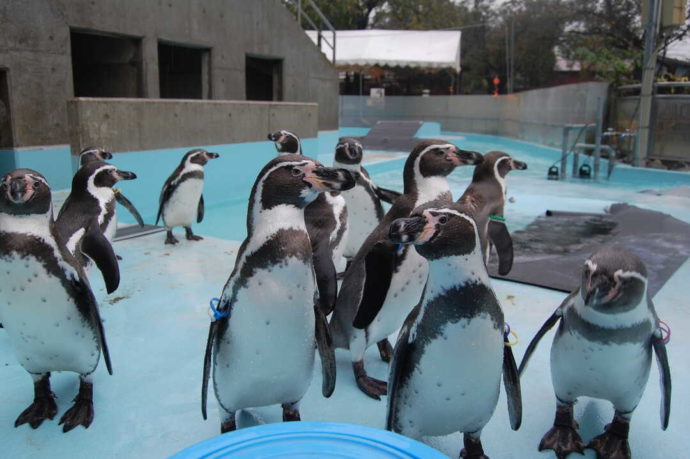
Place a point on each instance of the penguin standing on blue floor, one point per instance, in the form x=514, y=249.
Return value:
x=181, y=200
x=384, y=281
x=46, y=304
x=87, y=217
x=364, y=208
x=486, y=197
x=603, y=349
x=90, y=154
x=261, y=344
x=451, y=352
x=327, y=224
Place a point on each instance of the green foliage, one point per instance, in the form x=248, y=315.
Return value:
x=616, y=66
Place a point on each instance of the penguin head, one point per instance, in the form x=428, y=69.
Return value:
x=96, y=175
x=297, y=180
x=198, y=156
x=432, y=158
x=89, y=154
x=286, y=142
x=348, y=151
x=437, y=229
x=499, y=163
x=613, y=280
x=24, y=192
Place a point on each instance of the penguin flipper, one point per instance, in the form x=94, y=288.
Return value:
x=511, y=382
x=212, y=330
x=379, y=264
x=97, y=247
x=324, y=344
x=200, y=210
x=168, y=189
x=386, y=195
x=548, y=325
x=400, y=361
x=665, y=379
x=127, y=204
x=326, y=277
x=499, y=235
x=87, y=306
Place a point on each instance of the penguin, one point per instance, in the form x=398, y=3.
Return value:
x=451, y=352
x=603, y=349
x=89, y=154
x=46, y=305
x=384, y=281
x=260, y=346
x=327, y=224
x=181, y=200
x=364, y=207
x=86, y=222
x=486, y=197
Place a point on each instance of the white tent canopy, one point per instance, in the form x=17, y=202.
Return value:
x=394, y=48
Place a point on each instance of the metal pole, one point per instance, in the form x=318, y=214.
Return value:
x=512, y=55
x=647, y=90
x=564, y=154
x=299, y=12
x=597, y=139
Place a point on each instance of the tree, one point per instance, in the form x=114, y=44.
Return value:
x=344, y=14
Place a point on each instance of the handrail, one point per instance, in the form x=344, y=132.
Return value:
x=659, y=84
x=319, y=31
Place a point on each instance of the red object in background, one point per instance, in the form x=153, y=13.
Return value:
x=496, y=81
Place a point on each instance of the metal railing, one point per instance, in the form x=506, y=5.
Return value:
x=325, y=24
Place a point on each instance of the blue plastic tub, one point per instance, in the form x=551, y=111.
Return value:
x=310, y=439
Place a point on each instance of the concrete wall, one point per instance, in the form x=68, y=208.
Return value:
x=537, y=115
x=35, y=48
x=121, y=125
x=670, y=121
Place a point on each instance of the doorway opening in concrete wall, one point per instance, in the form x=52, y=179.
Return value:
x=106, y=65
x=5, y=113
x=183, y=71
x=264, y=78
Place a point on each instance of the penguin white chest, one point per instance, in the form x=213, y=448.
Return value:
x=267, y=354
x=182, y=206
x=46, y=331
x=361, y=212
x=454, y=384
x=404, y=293
x=617, y=372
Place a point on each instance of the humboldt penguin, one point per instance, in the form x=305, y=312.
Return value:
x=486, y=197
x=181, y=200
x=261, y=342
x=385, y=280
x=451, y=353
x=603, y=349
x=327, y=224
x=46, y=304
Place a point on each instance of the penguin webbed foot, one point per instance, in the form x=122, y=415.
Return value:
x=191, y=236
x=229, y=425
x=81, y=413
x=290, y=413
x=473, y=448
x=42, y=408
x=563, y=440
x=372, y=387
x=170, y=239
x=385, y=350
x=613, y=443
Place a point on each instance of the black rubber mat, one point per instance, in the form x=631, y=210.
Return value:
x=550, y=251
x=392, y=136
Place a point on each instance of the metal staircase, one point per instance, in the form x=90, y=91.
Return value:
x=302, y=10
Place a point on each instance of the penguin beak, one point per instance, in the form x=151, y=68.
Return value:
x=518, y=165
x=412, y=230
x=210, y=155
x=600, y=290
x=467, y=158
x=124, y=175
x=20, y=189
x=329, y=179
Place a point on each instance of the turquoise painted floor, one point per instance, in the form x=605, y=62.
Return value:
x=157, y=321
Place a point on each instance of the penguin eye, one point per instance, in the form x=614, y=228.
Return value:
x=442, y=220
x=295, y=172
x=440, y=152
